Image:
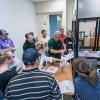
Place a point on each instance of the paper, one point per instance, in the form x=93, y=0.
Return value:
x=63, y=61
x=98, y=53
x=66, y=86
x=65, y=58
x=52, y=69
x=46, y=59
x=69, y=56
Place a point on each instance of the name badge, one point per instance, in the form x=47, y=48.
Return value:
x=70, y=42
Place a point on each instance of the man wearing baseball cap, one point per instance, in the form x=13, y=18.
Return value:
x=32, y=84
x=5, y=42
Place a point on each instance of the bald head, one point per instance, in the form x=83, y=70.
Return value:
x=56, y=36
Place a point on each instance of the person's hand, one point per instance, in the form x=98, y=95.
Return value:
x=62, y=51
x=10, y=49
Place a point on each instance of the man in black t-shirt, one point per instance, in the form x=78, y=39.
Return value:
x=69, y=40
x=30, y=41
x=69, y=43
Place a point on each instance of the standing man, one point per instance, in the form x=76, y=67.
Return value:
x=5, y=42
x=44, y=38
x=55, y=47
x=30, y=41
x=32, y=84
x=62, y=38
x=69, y=40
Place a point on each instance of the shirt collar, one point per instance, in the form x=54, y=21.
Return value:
x=56, y=41
x=34, y=69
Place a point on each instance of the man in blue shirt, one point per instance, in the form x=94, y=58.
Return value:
x=5, y=42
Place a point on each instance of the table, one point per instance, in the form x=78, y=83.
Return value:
x=63, y=74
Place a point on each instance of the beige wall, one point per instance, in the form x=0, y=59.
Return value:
x=43, y=9
x=43, y=18
x=69, y=12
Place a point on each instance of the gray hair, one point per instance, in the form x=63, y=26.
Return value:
x=56, y=33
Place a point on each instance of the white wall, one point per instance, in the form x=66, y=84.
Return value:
x=69, y=12
x=50, y=7
x=17, y=17
x=43, y=18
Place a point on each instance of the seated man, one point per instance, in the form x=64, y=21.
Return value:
x=55, y=47
x=87, y=83
x=32, y=84
x=5, y=73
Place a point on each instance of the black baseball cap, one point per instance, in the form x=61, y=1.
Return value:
x=3, y=32
x=30, y=56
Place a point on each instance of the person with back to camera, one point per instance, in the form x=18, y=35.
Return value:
x=5, y=73
x=87, y=84
x=32, y=84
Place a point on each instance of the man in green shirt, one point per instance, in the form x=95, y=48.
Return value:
x=55, y=47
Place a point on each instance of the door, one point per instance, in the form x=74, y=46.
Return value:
x=53, y=24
